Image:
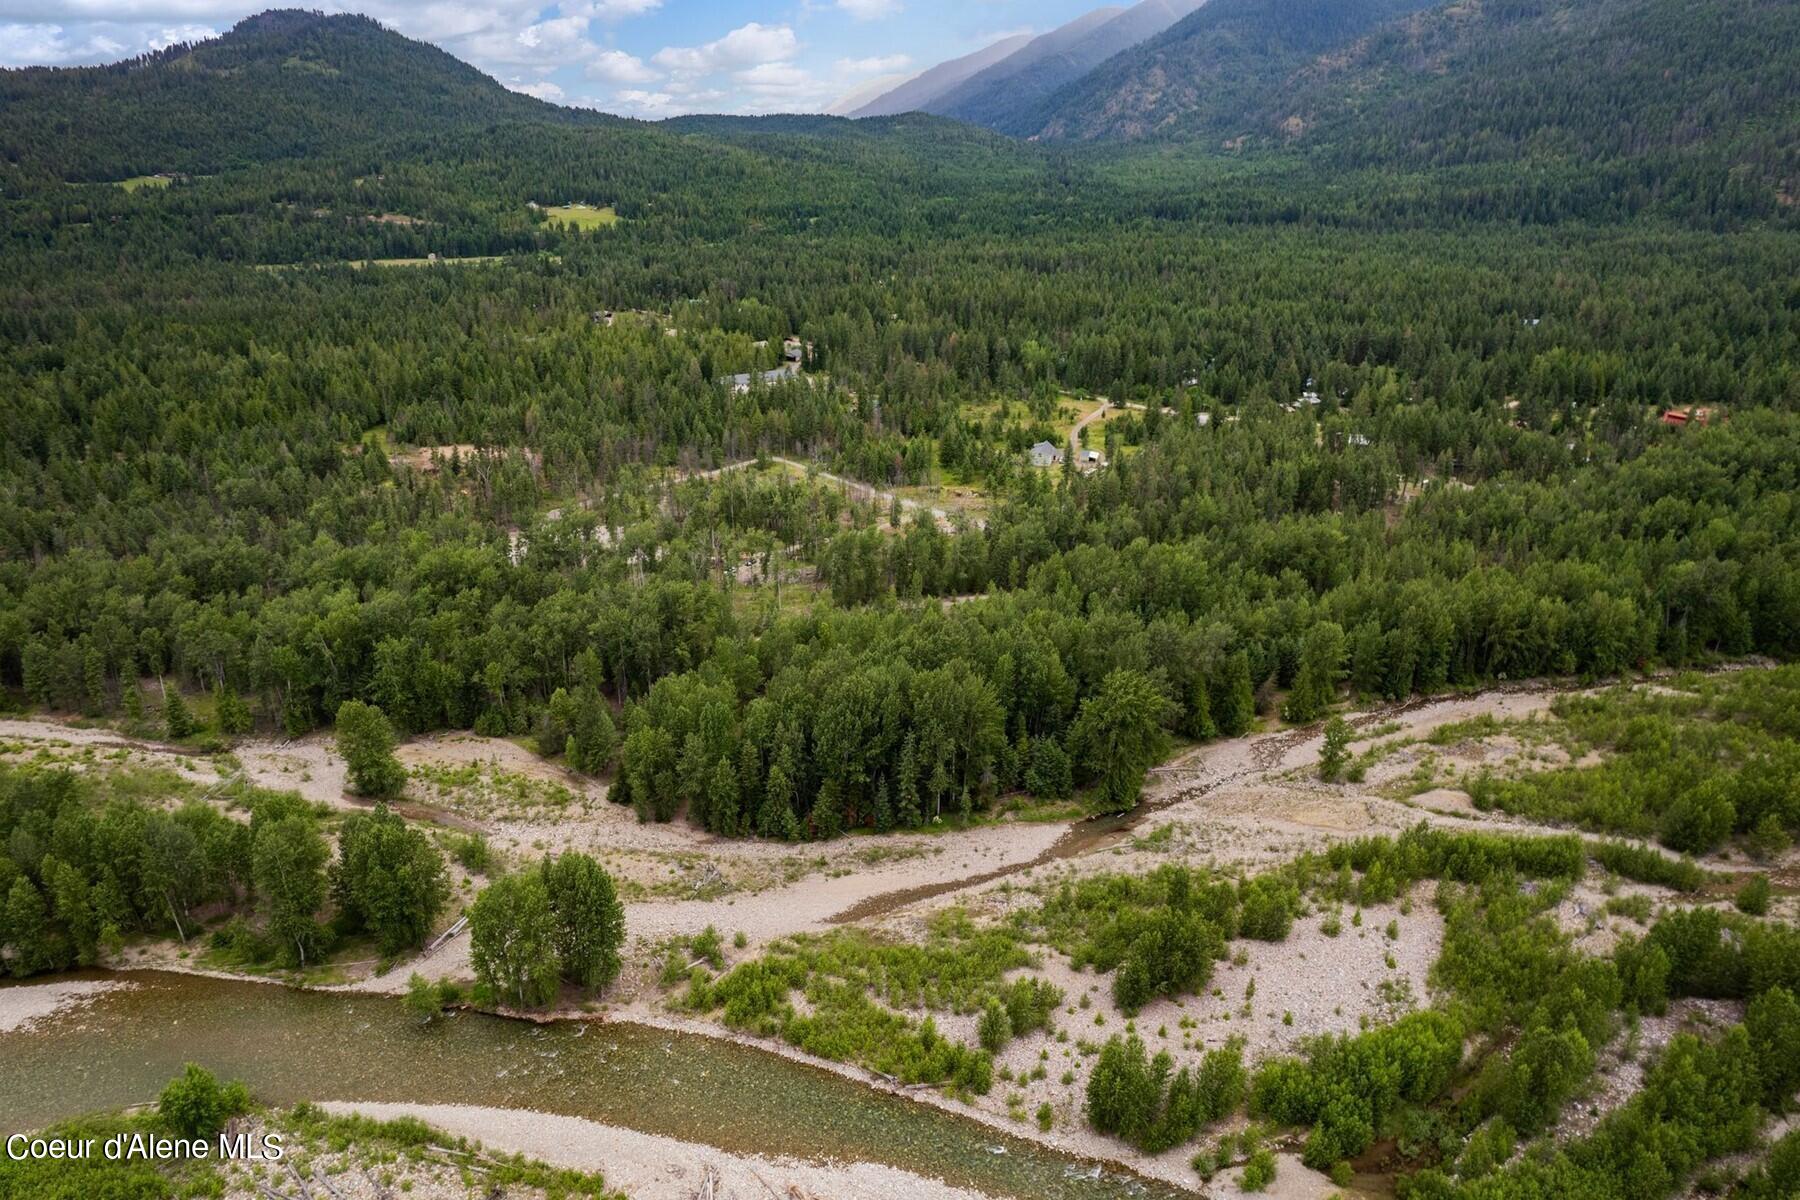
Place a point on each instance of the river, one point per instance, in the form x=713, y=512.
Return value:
x=289, y=1045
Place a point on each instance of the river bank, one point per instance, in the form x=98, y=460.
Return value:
x=1241, y=804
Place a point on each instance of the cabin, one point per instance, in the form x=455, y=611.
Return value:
x=791, y=350
x=740, y=383
x=1090, y=460
x=1680, y=418
x=1045, y=454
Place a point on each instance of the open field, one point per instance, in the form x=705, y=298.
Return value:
x=583, y=217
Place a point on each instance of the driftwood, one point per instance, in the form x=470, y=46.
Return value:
x=381, y=1189
x=327, y=1185
x=271, y=1193
x=299, y=1182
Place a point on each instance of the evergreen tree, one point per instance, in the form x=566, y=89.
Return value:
x=233, y=713
x=178, y=722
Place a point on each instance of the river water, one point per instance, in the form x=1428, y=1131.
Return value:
x=290, y=1045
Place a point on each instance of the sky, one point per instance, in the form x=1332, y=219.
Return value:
x=640, y=58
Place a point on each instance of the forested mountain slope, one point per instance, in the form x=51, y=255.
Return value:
x=282, y=84
x=997, y=96
x=1208, y=72
x=1478, y=81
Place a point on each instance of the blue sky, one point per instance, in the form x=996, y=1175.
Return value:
x=646, y=58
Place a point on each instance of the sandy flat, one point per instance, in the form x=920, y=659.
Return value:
x=647, y=1166
x=24, y=1005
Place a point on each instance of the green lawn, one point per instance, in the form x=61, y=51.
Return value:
x=582, y=216
x=142, y=181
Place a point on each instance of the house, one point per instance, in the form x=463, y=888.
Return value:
x=740, y=383
x=1090, y=460
x=1682, y=417
x=1203, y=419
x=791, y=349
x=1358, y=439
x=604, y=316
x=1045, y=454
x=1309, y=397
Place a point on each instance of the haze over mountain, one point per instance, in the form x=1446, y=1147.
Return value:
x=997, y=96
x=927, y=86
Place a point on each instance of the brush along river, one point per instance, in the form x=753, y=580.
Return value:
x=289, y=1045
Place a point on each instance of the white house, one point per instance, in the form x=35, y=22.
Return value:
x=1045, y=454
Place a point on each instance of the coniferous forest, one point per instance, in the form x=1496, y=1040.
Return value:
x=319, y=415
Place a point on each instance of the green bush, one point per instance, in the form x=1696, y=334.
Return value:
x=1753, y=897
x=994, y=1029
x=196, y=1105
x=1259, y=1171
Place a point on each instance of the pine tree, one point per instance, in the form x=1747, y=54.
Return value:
x=233, y=713
x=178, y=722
x=1233, y=700
x=911, y=814
x=884, y=809
x=93, y=678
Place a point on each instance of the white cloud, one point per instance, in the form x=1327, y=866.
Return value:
x=544, y=45
x=543, y=90
x=869, y=10
x=882, y=64
x=634, y=102
x=176, y=34
x=41, y=45
x=746, y=46
x=133, y=12
x=614, y=10
x=616, y=66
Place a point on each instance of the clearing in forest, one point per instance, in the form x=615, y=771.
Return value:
x=582, y=217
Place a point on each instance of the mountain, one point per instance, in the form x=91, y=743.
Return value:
x=999, y=95
x=925, y=87
x=1205, y=72
x=1397, y=82
x=1037, y=54
x=865, y=94
x=282, y=84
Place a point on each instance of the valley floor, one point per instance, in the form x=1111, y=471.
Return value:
x=1247, y=803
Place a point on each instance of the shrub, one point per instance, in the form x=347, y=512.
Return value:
x=994, y=1029
x=196, y=1105
x=1267, y=906
x=1259, y=1171
x=1753, y=897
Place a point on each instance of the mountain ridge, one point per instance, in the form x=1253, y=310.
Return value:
x=998, y=96
x=280, y=84
x=933, y=82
